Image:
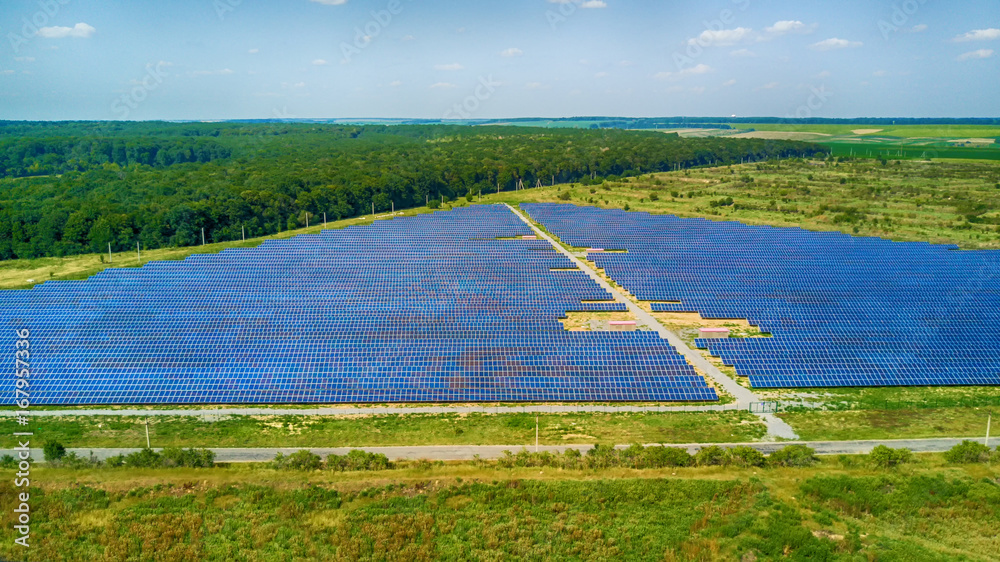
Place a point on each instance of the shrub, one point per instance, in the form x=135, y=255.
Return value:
x=745, y=456
x=53, y=451
x=659, y=457
x=793, y=455
x=469, y=196
x=358, y=460
x=626, y=207
x=8, y=461
x=193, y=458
x=711, y=456
x=564, y=196
x=433, y=204
x=968, y=452
x=144, y=458
x=654, y=197
x=887, y=457
x=299, y=460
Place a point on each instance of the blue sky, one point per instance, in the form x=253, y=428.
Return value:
x=226, y=59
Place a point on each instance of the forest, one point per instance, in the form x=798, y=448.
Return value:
x=76, y=187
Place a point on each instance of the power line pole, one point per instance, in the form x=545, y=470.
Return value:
x=243, y=232
x=324, y=219
x=536, y=434
x=147, y=432
x=109, y=252
x=138, y=256
x=203, y=236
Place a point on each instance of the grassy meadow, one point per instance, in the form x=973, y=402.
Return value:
x=840, y=509
x=387, y=430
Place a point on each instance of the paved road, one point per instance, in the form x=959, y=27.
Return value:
x=775, y=427
x=468, y=452
x=378, y=410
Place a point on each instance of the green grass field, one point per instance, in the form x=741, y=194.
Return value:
x=952, y=202
x=900, y=131
x=385, y=430
x=921, y=511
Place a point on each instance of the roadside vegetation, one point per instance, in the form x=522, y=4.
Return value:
x=397, y=429
x=925, y=508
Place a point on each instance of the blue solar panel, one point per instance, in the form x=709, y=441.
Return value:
x=843, y=310
x=430, y=308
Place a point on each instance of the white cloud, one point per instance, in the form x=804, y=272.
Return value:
x=697, y=69
x=824, y=74
x=834, y=43
x=330, y=2
x=511, y=52
x=879, y=73
x=408, y=38
x=80, y=30
x=440, y=85
x=919, y=27
x=253, y=51
x=743, y=53
x=789, y=26
x=979, y=35
x=594, y=4
x=320, y=62
x=6, y=72
x=395, y=83
x=729, y=82
x=698, y=90
x=722, y=37
x=978, y=54
x=600, y=74
x=769, y=86
x=452, y=66
x=626, y=63
x=24, y=59
x=533, y=86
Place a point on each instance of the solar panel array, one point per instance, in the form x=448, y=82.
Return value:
x=842, y=310
x=428, y=308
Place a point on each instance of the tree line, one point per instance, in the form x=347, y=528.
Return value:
x=162, y=187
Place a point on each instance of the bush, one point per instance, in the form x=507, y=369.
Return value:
x=659, y=457
x=887, y=457
x=433, y=204
x=745, y=457
x=793, y=455
x=711, y=456
x=145, y=458
x=299, y=460
x=968, y=452
x=8, y=461
x=626, y=207
x=358, y=460
x=564, y=196
x=193, y=458
x=654, y=197
x=53, y=451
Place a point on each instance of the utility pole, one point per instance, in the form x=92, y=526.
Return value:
x=138, y=256
x=203, y=236
x=373, y=209
x=393, y=206
x=109, y=252
x=989, y=419
x=147, y=432
x=324, y=219
x=536, y=434
x=307, y=219
x=243, y=232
